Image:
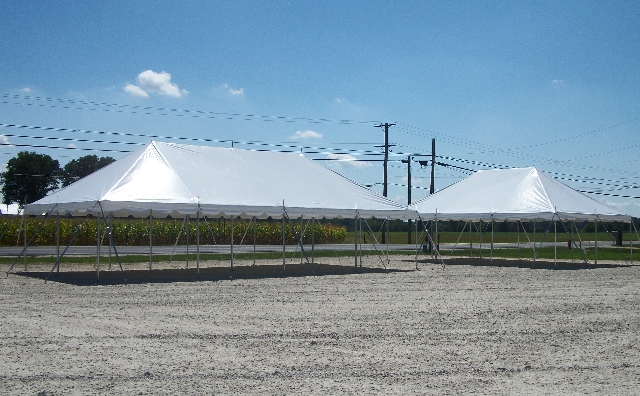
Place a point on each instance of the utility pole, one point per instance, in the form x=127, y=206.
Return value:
x=433, y=164
x=408, y=162
x=386, y=161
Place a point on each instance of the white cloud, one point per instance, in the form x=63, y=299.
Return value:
x=5, y=141
x=557, y=82
x=308, y=134
x=233, y=91
x=348, y=159
x=136, y=91
x=25, y=90
x=152, y=82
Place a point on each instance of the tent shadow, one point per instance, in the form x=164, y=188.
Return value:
x=208, y=274
x=525, y=264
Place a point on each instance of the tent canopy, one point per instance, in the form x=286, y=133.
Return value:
x=512, y=194
x=178, y=180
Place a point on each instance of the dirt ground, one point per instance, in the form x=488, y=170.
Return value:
x=471, y=327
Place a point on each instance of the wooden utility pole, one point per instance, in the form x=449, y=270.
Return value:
x=386, y=161
x=433, y=165
x=408, y=162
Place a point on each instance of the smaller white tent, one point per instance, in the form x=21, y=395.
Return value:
x=179, y=180
x=513, y=195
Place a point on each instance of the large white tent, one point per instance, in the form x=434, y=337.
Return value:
x=179, y=180
x=513, y=195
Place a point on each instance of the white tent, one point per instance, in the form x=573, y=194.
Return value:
x=513, y=195
x=178, y=180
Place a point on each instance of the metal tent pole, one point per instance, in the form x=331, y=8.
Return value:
x=24, y=218
x=58, y=236
x=301, y=236
x=284, y=258
x=313, y=239
x=198, y=244
x=571, y=225
x=187, y=235
x=491, y=239
x=630, y=240
x=388, y=239
x=231, y=243
x=150, y=239
x=596, y=244
x=360, y=237
x=518, y=229
x=97, y=249
x=355, y=240
x=534, y=244
x=109, y=225
x=555, y=244
x=470, y=240
x=480, y=232
x=255, y=233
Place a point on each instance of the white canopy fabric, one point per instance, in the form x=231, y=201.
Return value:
x=178, y=180
x=512, y=194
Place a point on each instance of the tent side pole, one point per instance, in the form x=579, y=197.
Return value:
x=572, y=254
x=355, y=240
x=360, y=238
x=109, y=225
x=555, y=244
x=534, y=244
x=284, y=257
x=480, y=231
x=97, y=249
x=198, y=244
x=231, y=240
x=491, y=239
x=255, y=233
x=518, y=230
x=301, y=236
x=313, y=239
x=470, y=240
x=24, y=220
x=631, y=239
x=596, y=244
x=150, y=239
x=58, y=237
x=389, y=235
x=187, y=235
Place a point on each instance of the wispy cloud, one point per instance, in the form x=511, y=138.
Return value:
x=157, y=83
x=26, y=90
x=308, y=134
x=557, y=82
x=348, y=159
x=233, y=91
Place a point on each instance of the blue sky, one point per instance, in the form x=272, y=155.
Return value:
x=552, y=84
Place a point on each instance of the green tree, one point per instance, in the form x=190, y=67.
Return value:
x=29, y=177
x=78, y=168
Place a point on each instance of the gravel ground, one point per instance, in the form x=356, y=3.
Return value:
x=469, y=328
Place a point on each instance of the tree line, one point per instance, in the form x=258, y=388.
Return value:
x=31, y=176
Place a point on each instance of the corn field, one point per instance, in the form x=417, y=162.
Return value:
x=135, y=232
